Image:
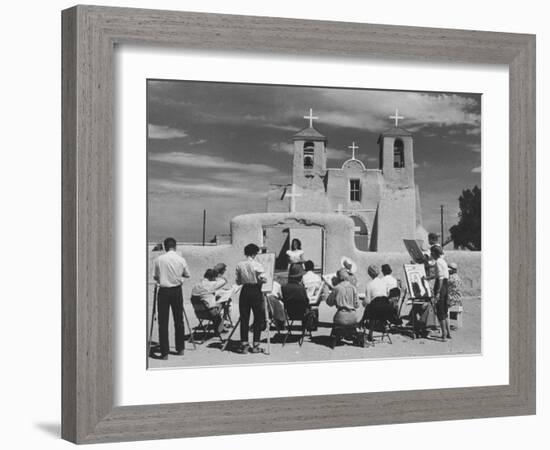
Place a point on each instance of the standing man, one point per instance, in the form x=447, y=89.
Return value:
x=169, y=271
x=441, y=291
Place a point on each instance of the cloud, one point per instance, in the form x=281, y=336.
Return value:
x=474, y=146
x=422, y=165
x=476, y=169
x=190, y=188
x=199, y=142
x=165, y=132
x=284, y=147
x=371, y=110
x=203, y=161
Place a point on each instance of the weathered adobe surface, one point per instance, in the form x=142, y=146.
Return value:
x=339, y=241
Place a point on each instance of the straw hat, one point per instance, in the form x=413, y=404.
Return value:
x=348, y=264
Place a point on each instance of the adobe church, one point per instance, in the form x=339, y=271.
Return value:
x=383, y=202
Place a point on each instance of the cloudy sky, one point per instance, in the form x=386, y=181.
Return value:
x=217, y=146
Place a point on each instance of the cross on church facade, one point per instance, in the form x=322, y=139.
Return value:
x=311, y=117
x=396, y=117
x=353, y=148
x=293, y=196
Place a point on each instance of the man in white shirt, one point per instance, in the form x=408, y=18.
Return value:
x=170, y=269
x=388, y=278
x=311, y=280
x=376, y=287
x=377, y=305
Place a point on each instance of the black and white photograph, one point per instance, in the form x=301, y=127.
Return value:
x=295, y=224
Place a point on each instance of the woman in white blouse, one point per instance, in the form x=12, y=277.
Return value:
x=295, y=254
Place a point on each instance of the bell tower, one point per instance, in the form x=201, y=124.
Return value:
x=396, y=155
x=310, y=157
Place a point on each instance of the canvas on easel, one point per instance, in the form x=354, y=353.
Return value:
x=417, y=284
x=267, y=260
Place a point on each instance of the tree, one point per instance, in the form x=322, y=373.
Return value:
x=467, y=233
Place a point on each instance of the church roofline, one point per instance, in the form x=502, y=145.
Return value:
x=395, y=131
x=309, y=133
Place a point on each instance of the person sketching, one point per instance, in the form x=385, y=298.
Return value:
x=205, y=293
x=250, y=274
x=169, y=271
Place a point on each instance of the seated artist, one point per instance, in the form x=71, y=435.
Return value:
x=296, y=300
x=205, y=292
x=219, y=271
x=377, y=304
x=311, y=281
x=344, y=297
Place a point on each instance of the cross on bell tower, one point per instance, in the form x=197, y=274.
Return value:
x=396, y=117
x=311, y=118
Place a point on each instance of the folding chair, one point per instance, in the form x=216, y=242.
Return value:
x=290, y=321
x=377, y=321
x=204, y=316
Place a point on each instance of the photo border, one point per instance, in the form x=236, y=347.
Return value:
x=89, y=36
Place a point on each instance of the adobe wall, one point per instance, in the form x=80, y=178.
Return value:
x=339, y=242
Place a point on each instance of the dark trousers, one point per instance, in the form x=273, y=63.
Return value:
x=170, y=298
x=251, y=299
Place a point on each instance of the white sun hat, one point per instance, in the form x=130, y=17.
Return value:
x=348, y=264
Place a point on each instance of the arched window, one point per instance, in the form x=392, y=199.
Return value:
x=308, y=155
x=398, y=154
x=361, y=234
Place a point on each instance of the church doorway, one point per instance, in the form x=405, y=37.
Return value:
x=277, y=239
x=361, y=235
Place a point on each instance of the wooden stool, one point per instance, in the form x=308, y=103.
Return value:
x=455, y=313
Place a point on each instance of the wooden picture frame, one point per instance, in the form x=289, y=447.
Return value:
x=89, y=36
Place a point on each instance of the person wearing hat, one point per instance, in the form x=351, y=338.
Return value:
x=344, y=297
x=295, y=297
x=250, y=274
x=351, y=269
x=441, y=291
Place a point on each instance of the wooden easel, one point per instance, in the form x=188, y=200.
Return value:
x=415, y=300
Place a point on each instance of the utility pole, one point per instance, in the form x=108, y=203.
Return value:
x=203, y=226
x=442, y=234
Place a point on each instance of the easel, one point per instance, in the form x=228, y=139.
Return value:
x=154, y=317
x=425, y=300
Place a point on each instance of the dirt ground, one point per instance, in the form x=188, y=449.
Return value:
x=465, y=340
